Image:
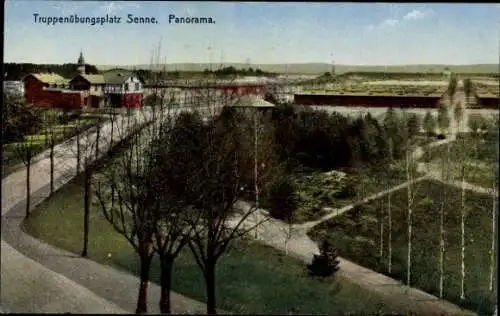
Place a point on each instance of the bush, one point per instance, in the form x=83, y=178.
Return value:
x=326, y=263
x=282, y=197
x=348, y=190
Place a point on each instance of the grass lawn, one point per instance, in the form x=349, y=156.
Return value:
x=251, y=278
x=358, y=239
x=39, y=141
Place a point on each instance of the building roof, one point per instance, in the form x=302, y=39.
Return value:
x=250, y=101
x=50, y=78
x=92, y=79
x=116, y=76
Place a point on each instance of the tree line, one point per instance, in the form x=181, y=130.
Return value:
x=230, y=70
x=16, y=71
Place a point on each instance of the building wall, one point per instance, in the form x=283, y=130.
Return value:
x=15, y=88
x=125, y=100
x=368, y=101
x=132, y=85
x=489, y=103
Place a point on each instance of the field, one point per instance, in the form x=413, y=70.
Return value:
x=39, y=141
x=251, y=278
x=380, y=88
x=357, y=236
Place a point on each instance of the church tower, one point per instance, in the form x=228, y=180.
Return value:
x=81, y=64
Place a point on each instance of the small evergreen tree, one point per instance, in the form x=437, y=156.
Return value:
x=326, y=263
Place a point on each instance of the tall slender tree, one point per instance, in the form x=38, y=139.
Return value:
x=124, y=195
x=215, y=187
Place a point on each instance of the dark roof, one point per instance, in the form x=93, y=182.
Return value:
x=118, y=76
x=92, y=79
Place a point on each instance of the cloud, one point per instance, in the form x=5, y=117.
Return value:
x=114, y=7
x=390, y=22
x=417, y=14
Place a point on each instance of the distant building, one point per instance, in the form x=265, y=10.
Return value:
x=115, y=88
x=365, y=100
x=13, y=88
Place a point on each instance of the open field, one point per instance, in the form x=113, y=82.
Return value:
x=390, y=87
x=358, y=235
x=39, y=141
x=251, y=278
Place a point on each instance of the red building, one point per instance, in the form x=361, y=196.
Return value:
x=116, y=88
x=49, y=90
x=399, y=101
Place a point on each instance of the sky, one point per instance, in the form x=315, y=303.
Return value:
x=256, y=33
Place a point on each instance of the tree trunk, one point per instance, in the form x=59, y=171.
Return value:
x=146, y=257
x=51, y=156
x=409, y=205
x=381, y=251
x=444, y=176
x=97, y=137
x=256, y=171
x=112, y=131
x=493, y=239
x=210, y=286
x=28, y=187
x=78, y=153
x=86, y=211
x=462, y=283
x=389, y=241
x=167, y=264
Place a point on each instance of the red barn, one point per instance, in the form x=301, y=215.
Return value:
x=44, y=89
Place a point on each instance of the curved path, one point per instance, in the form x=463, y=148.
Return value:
x=37, y=277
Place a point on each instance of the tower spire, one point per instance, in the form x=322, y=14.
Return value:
x=81, y=64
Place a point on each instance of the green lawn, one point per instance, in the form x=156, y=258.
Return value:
x=39, y=141
x=251, y=278
x=358, y=239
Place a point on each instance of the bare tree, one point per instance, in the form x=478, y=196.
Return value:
x=27, y=148
x=443, y=118
x=126, y=198
x=468, y=89
x=51, y=119
x=493, y=137
x=171, y=212
x=215, y=187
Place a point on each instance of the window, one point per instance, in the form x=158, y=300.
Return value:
x=137, y=86
x=126, y=87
